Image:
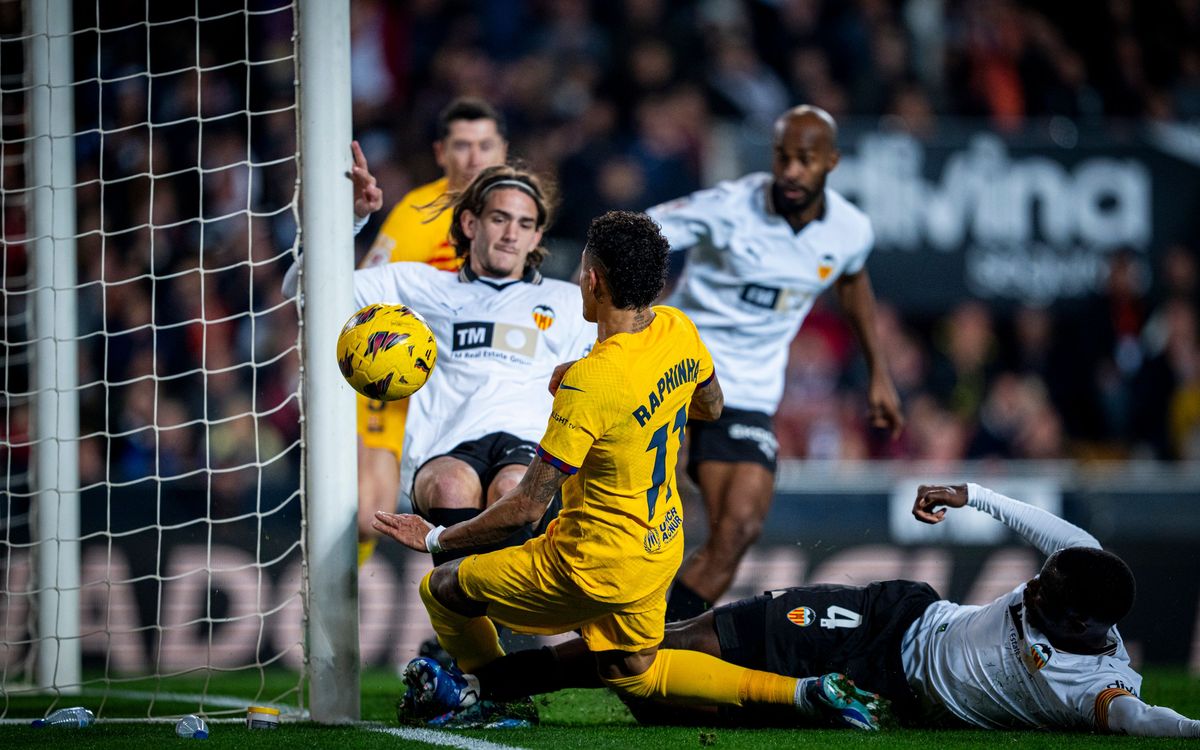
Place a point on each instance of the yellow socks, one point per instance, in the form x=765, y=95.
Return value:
x=472, y=641
x=693, y=677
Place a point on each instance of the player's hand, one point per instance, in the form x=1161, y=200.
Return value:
x=368, y=197
x=405, y=528
x=559, y=373
x=883, y=404
x=931, y=496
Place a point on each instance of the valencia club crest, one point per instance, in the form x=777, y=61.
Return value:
x=543, y=316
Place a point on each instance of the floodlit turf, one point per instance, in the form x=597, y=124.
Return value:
x=573, y=719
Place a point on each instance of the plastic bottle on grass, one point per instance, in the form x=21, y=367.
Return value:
x=75, y=717
x=192, y=727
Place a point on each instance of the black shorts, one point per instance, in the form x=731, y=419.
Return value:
x=738, y=435
x=489, y=454
x=809, y=631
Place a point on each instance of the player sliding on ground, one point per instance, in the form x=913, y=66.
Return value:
x=604, y=565
x=1046, y=655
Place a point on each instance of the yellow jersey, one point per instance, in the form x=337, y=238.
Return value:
x=616, y=426
x=415, y=231
x=412, y=231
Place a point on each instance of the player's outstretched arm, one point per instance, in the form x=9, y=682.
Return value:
x=857, y=299
x=521, y=506
x=1129, y=715
x=708, y=401
x=368, y=197
x=1045, y=531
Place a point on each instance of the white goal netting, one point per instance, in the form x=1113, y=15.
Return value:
x=182, y=191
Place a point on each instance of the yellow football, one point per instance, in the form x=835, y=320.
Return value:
x=386, y=352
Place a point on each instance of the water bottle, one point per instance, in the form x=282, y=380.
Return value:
x=192, y=727
x=75, y=717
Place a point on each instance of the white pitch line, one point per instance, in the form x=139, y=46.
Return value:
x=435, y=737
x=228, y=701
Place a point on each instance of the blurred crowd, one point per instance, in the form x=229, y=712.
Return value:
x=625, y=101
x=188, y=192
x=1114, y=375
x=631, y=103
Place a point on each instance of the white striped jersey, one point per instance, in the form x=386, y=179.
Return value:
x=750, y=280
x=988, y=666
x=498, y=343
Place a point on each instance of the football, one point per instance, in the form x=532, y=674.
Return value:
x=386, y=352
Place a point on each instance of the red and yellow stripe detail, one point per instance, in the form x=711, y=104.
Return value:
x=1102, y=703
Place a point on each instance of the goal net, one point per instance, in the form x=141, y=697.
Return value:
x=151, y=512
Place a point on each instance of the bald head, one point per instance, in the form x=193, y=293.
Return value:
x=808, y=117
x=805, y=152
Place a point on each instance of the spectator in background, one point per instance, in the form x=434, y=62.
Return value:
x=966, y=358
x=1164, y=389
x=619, y=99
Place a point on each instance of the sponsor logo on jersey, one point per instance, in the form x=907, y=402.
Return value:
x=663, y=533
x=765, y=297
x=825, y=267
x=767, y=444
x=802, y=616
x=543, y=316
x=1036, y=656
x=685, y=371
x=488, y=335
x=1120, y=685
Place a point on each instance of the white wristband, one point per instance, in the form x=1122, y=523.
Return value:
x=431, y=539
x=360, y=222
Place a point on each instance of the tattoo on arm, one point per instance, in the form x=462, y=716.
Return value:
x=707, y=402
x=522, y=505
x=541, y=481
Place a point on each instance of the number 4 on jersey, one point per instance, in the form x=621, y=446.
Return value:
x=840, y=617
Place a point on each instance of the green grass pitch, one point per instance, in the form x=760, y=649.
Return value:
x=593, y=720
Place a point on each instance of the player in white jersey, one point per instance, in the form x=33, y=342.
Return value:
x=761, y=249
x=1046, y=655
x=501, y=330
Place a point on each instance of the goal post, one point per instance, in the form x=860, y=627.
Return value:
x=326, y=283
x=178, y=493
x=55, y=366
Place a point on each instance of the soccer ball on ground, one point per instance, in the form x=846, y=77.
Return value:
x=386, y=352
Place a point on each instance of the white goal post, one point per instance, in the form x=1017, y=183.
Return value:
x=178, y=501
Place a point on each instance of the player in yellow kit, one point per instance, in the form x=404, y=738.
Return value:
x=471, y=138
x=605, y=564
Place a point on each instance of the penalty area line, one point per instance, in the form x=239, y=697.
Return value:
x=437, y=737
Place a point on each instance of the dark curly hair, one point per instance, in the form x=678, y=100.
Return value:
x=474, y=197
x=631, y=254
x=1090, y=581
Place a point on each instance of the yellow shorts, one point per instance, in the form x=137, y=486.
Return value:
x=528, y=590
x=381, y=423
